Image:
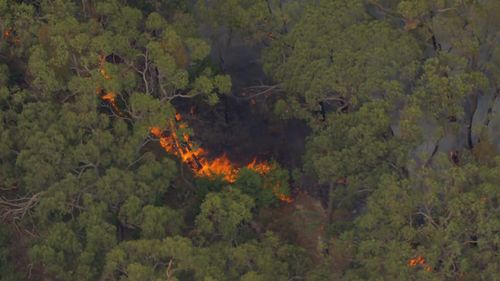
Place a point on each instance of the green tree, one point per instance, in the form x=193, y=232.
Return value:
x=444, y=214
x=251, y=183
x=222, y=213
x=254, y=21
x=86, y=193
x=78, y=159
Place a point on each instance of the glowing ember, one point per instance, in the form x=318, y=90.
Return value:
x=419, y=261
x=8, y=36
x=284, y=198
x=102, y=70
x=7, y=33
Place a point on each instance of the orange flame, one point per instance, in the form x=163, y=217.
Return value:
x=419, y=261
x=261, y=168
x=276, y=189
x=196, y=158
x=109, y=97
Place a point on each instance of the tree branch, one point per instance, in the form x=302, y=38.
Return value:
x=266, y=89
x=16, y=209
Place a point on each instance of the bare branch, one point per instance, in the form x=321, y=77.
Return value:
x=429, y=218
x=265, y=89
x=146, y=67
x=16, y=209
x=384, y=9
x=170, y=270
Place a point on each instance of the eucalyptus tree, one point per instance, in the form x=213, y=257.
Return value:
x=346, y=73
x=97, y=77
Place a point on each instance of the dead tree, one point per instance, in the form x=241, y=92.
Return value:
x=16, y=209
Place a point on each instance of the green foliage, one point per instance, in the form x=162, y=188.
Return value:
x=88, y=194
x=251, y=183
x=254, y=21
x=264, y=189
x=444, y=86
x=335, y=53
x=156, y=222
x=357, y=146
x=441, y=216
x=222, y=213
x=263, y=260
x=59, y=251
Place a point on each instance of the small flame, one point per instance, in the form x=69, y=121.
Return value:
x=102, y=70
x=276, y=188
x=155, y=131
x=109, y=97
x=419, y=261
x=7, y=33
x=8, y=36
x=261, y=168
x=285, y=198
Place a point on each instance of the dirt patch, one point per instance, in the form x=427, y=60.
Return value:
x=301, y=223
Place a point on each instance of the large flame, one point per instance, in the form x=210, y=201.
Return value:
x=195, y=158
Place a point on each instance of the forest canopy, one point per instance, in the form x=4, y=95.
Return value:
x=249, y=140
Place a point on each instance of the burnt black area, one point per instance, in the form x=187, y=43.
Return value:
x=238, y=126
x=244, y=130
